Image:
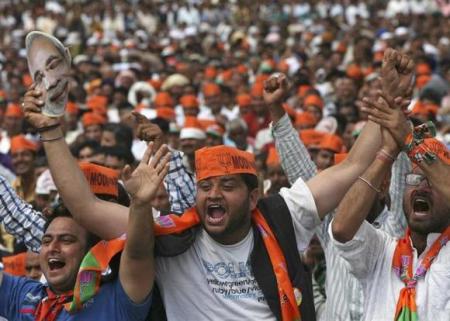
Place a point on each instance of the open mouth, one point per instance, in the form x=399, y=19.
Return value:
x=421, y=205
x=59, y=91
x=215, y=213
x=55, y=264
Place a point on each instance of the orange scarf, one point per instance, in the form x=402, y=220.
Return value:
x=170, y=224
x=50, y=307
x=403, y=264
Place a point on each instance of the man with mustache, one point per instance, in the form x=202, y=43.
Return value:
x=405, y=278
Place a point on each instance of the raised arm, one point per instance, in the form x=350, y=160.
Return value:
x=137, y=270
x=358, y=201
x=180, y=184
x=105, y=219
x=19, y=217
x=295, y=159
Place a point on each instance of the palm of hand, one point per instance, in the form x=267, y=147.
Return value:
x=141, y=183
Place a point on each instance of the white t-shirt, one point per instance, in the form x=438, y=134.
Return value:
x=212, y=281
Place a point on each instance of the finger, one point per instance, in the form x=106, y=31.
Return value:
x=382, y=122
x=160, y=153
x=376, y=113
x=32, y=87
x=410, y=66
x=138, y=117
x=32, y=109
x=33, y=93
x=32, y=100
x=126, y=172
x=386, y=102
x=404, y=60
x=372, y=104
x=164, y=172
x=147, y=154
x=165, y=160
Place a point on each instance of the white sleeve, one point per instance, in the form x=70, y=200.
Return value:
x=363, y=252
x=302, y=207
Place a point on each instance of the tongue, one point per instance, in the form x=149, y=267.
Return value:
x=216, y=213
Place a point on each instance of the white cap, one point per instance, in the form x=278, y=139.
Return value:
x=45, y=184
x=192, y=133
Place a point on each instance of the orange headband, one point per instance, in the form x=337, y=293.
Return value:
x=223, y=160
x=102, y=180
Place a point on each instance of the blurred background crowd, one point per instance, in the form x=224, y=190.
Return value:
x=196, y=69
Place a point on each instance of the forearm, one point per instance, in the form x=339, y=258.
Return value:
x=331, y=185
x=358, y=201
x=105, y=219
x=295, y=159
x=276, y=112
x=137, y=263
x=19, y=218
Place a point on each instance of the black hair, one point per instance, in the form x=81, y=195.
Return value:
x=121, y=152
x=162, y=124
x=75, y=149
x=122, y=133
x=250, y=180
x=59, y=210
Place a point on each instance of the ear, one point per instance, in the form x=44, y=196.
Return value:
x=253, y=198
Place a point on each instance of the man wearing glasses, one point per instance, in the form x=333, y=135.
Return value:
x=407, y=278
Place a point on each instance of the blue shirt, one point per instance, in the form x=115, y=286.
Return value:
x=19, y=297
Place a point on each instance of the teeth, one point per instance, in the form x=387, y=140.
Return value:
x=53, y=261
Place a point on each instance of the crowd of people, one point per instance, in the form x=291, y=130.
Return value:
x=225, y=160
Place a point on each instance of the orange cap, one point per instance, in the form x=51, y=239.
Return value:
x=302, y=89
x=215, y=129
x=191, y=122
x=90, y=119
x=13, y=110
x=163, y=99
x=210, y=72
x=289, y=110
x=27, y=81
x=272, y=157
x=283, y=66
x=72, y=108
x=313, y=100
x=261, y=78
x=354, y=72
x=424, y=109
x=226, y=75
x=20, y=142
x=189, y=101
x=305, y=119
x=378, y=56
x=166, y=113
x=97, y=103
x=311, y=137
x=257, y=90
x=438, y=148
x=156, y=83
x=422, y=80
x=223, y=160
x=423, y=69
x=242, y=69
x=102, y=180
x=339, y=157
x=15, y=264
x=332, y=142
x=211, y=89
x=244, y=100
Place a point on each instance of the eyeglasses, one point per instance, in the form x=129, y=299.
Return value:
x=415, y=179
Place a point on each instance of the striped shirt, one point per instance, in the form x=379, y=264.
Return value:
x=27, y=225
x=343, y=291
